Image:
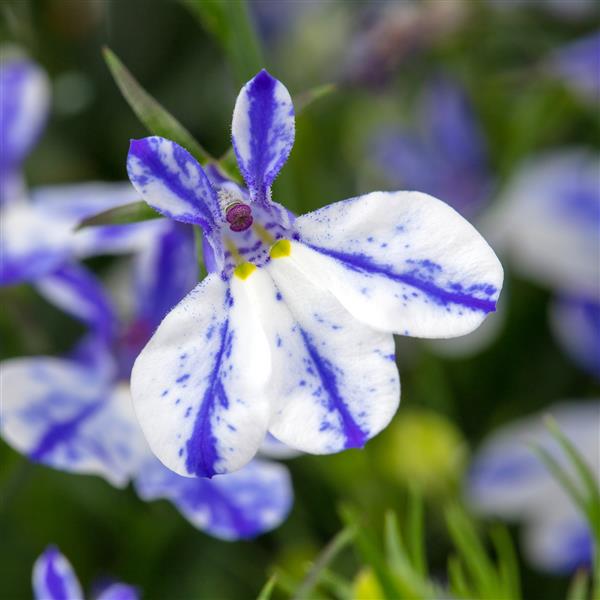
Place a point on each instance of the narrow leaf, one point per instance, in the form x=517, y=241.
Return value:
x=156, y=118
x=128, y=213
x=267, y=590
x=229, y=22
x=507, y=562
x=335, y=546
x=415, y=535
x=579, y=586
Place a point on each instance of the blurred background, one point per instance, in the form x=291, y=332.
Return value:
x=467, y=100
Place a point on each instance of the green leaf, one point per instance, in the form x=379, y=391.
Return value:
x=335, y=546
x=458, y=579
x=156, y=118
x=267, y=590
x=415, y=534
x=122, y=215
x=472, y=552
x=579, y=586
x=507, y=562
x=229, y=22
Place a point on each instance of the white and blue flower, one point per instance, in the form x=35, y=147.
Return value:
x=547, y=225
x=291, y=331
x=508, y=480
x=53, y=578
x=37, y=229
x=445, y=155
x=75, y=414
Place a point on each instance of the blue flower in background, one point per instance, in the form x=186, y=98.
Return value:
x=444, y=155
x=76, y=414
x=37, y=229
x=508, y=480
x=578, y=65
x=546, y=223
x=290, y=332
x=54, y=579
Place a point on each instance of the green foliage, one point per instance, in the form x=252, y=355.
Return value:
x=229, y=22
x=156, y=118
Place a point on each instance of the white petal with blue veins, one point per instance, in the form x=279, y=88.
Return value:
x=62, y=415
x=334, y=381
x=198, y=384
x=402, y=262
x=53, y=577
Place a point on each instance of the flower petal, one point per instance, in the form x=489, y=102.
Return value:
x=576, y=324
x=119, y=591
x=507, y=478
x=334, y=382
x=273, y=448
x=402, y=262
x=76, y=290
x=172, y=182
x=240, y=505
x=561, y=544
x=54, y=577
x=197, y=385
x=165, y=271
x=62, y=415
x=76, y=202
x=548, y=221
x=263, y=132
x=24, y=101
x=117, y=239
x=31, y=243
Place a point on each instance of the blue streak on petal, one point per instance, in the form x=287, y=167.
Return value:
x=201, y=448
x=355, y=436
x=416, y=279
x=55, y=584
x=59, y=433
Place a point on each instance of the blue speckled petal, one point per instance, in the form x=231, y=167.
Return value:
x=239, y=505
x=63, y=415
x=401, y=262
x=334, y=381
x=172, y=182
x=263, y=133
x=198, y=384
x=54, y=578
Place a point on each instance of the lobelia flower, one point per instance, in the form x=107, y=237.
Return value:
x=291, y=331
x=37, y=229
x=76, y=415
x=445, y=156
x=54, y=579
x=508, y=480
x=547, y=225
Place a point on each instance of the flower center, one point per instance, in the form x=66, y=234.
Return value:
x=239, y=216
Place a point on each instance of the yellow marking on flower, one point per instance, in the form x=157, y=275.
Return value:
x=281, y=249
x=263, y=234
x=244, y=270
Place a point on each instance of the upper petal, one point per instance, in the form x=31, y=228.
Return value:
x=240, y=505
x=334, y=382
x=197, y=385
x=63, y=415
x=402, y=262
x=263, y=132
x=53, y=577
x=172, y=182
x=118, y=591
x=24, y=101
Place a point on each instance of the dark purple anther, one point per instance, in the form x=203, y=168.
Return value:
x=239, y=216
